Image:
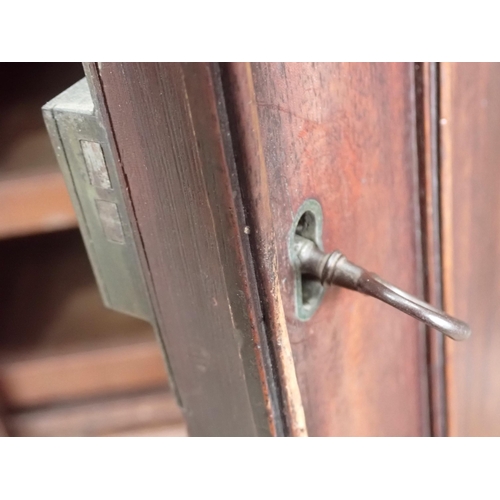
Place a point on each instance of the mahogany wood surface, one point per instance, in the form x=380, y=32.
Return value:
x=345, y=135
x=470, y=156
x=173, y=149
x=427, y=101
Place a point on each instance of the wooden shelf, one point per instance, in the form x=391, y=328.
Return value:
x=57, y=340
x=33, y=195
x=172, y=430
x=150, y=414
x=44, y=378
x=68, y=365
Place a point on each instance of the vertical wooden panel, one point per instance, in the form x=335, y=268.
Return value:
x=427, y=92
x=343, y=134
x=470, y=130
x=172, y=144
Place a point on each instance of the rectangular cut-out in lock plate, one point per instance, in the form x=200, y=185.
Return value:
x=96, y=164
x=82, y=148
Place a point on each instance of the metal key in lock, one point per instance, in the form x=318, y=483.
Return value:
x=315, y=268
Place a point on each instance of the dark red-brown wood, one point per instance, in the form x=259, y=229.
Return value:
x=168, y=125
x=427, y=104
x=344, y=134
x=470, y=148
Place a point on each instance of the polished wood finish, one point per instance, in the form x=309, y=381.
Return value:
x=168, y=124
x=343, y=134
x=470, y=156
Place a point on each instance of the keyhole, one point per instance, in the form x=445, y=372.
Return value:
x=307, y=223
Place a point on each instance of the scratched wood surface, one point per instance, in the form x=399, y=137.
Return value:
x=470, y=148
x=343, y=134
x=173, y=149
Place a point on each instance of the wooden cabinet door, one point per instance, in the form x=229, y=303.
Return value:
x=215, y=160
x=344, y=135
x=470, y=178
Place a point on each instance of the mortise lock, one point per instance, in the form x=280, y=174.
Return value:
x=82, y=147
x=314, y=268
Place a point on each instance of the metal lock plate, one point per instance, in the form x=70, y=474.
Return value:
x=82, y=148
x=308, y=292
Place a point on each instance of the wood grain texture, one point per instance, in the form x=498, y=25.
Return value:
x=172, y=144
x=248, y=144
x=343, y=134
x=427, y=105
x=470, y=126
x=42, y=378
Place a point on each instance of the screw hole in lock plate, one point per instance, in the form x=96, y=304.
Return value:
x=308, y=291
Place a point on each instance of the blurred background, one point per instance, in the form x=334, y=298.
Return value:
x=68, y=365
